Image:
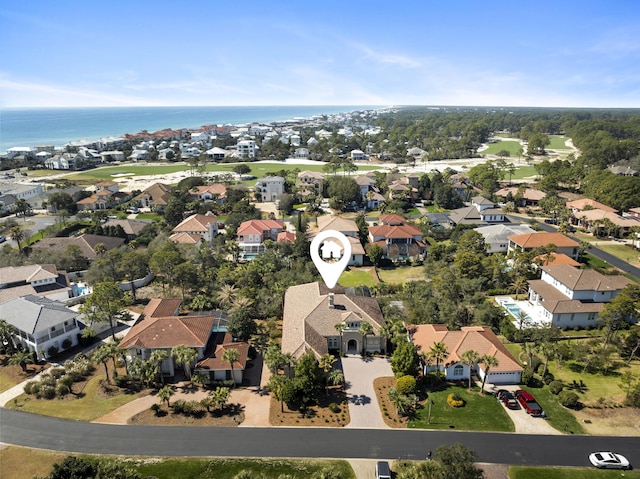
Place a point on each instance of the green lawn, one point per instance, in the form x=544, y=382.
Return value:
x=401, y=274
x=558, y=143
x=229, y=468
x=522, y=172
x=258, y=170
x=86, y=406
x=513, y=147
x=622, y=251
x=356, y=277
x=480, y=413
x=6, y=382
x=528, y=472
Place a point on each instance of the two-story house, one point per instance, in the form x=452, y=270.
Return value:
x=397, y=238
x=246, y=149
x=269, y=188
x=321, y=320
x=106, y=195
x=569, y=297
x=481, y=212
x=253, y=233
x=41, y=325
x=531, y=241
x=349, y=229
x=205, y=227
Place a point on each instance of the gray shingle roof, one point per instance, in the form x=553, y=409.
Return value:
x=33, y=314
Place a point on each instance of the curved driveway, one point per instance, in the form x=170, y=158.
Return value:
x=42, y=432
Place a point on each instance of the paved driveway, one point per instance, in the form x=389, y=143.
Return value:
x=524, y=423
x=359, y=374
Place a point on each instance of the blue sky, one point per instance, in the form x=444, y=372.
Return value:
x=221, y=53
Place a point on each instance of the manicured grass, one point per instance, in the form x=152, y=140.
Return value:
x=20, y=462
x=513, y=147
x=621, y=251
x=6, y=382
x=86, y=406
x=522, y=172
x=229, y=468
x=558, y=143
x=258, y=170
x=528, y=472
x=401, y=274
x=558, y=417
x=594, y=262
x=151, y=216
x=480, y=413
x=356, y=277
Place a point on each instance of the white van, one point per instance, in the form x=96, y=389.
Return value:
x=382, y=470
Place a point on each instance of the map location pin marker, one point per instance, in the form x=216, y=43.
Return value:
x=330, y=271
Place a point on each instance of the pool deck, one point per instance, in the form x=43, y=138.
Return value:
x=533, y=320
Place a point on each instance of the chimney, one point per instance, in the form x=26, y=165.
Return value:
x=331, y=301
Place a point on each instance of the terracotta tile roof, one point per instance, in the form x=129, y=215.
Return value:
x=528, y=194
x=392, y=219
x=537, y=240
x=214, y=189
x=402, y=231
x=214, y=361
x=196, y=223
x=169, y=331
x=258, y=226
x=584, y=202
x=596, y=215
x=161, y=307
x=555, y=259
x=286, y=236
x=185, y=238
x=477, y=338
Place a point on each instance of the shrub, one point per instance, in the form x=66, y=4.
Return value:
x=548, y=378
x=527, y=376
x=56, y=372
x=47, y=392
x=66, y=344
x=178, y=406
x=536, y=362
x=62, y=389
x=334, y=408
x=121, y=381
x=633, y=398
x=569, y=399
x=52, y=351
x=406, y=385
x=156, y=408
x=555, y=387
x=32, y=387
x=454, y=400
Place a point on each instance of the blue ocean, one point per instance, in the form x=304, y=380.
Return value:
x=58, y=126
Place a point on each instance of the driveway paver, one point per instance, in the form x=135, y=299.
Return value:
x=359, y=374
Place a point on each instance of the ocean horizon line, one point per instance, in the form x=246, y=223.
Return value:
x=58, y=126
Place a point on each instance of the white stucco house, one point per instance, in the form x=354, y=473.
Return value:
x=569, y=297
x=269, y=188
x=41, y=324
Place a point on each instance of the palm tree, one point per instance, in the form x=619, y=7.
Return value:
x=21, y=358
x=336, y=377
x=156, y=357
x=227, y=295
x=548, y=350
x=522, y=318
x=17, y=235
x=326, y=364
x=240, y=304
x=365, y=329
x=102, y=355
x=438, y=353
x=519, y=285
x=470, y=357
x=165, y=394
x=220, y=396
x=273, y=358
x=488, y=362
x=340, y=327
x=6, y=335
x=277, y=385
x=184, y=355
x=289, y=360
x=231, y=355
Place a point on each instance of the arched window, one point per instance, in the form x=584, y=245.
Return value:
x=458, y=370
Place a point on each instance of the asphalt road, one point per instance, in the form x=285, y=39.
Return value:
x=598, y=253
x=42, y=432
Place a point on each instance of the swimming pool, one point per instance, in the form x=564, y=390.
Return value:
x=515, y=310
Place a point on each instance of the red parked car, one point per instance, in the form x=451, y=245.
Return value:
x=529, y=403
